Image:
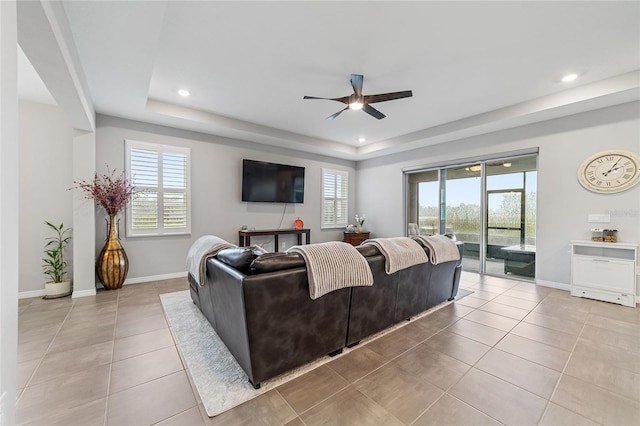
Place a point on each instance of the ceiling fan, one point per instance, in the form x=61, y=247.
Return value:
x=359, y=101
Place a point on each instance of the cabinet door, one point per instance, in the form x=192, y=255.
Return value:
x=602, y=273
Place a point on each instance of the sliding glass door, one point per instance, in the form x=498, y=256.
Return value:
x=489, y=206
x=461, y=198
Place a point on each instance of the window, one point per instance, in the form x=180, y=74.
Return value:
x=335, y=200
x=161, y=175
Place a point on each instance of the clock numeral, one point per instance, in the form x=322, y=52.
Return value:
x=590, y=172
x=627, y=176
x=626, y=163
x=600, y=160
x=598, y=182
x=608, y=183
x=592, y=178
x=629, y=170
x=609, y=158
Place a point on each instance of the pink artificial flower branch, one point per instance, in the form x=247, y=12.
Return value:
x=108, y=190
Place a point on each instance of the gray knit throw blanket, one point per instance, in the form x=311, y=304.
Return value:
x=441, y=249
x=332, y=266
x=399, y=253
x=202, y=249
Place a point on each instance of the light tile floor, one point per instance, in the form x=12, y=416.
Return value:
x=510, y=353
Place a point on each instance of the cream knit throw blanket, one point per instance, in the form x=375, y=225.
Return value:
x=441, y=249
x=399, y=253
x=202, y=249
x=332, y=266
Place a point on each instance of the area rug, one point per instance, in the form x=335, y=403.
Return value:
x=218, y=378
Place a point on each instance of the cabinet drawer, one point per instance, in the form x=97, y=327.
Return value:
x=607, y=296
x=612, y=275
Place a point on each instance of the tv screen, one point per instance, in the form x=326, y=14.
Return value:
x=272, y=183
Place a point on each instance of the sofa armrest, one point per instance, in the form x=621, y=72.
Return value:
x=222, y=302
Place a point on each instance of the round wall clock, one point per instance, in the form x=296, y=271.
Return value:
x=610, y=171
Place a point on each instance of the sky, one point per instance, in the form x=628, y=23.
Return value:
x=467, y=190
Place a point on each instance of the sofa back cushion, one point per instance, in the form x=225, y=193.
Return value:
x=240, y=257
x=270, y=262
x=368, y=250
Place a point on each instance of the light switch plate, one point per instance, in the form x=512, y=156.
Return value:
x=599, y=217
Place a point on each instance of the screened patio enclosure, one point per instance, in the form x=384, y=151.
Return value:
x=489, y=205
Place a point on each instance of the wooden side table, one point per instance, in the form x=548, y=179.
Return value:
x=355, y=238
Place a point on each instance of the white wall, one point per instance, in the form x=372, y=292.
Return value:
x=216, y=168
x=377, y=192
x=46, y=166
x=563, y=204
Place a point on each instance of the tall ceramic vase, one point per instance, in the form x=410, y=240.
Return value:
x=112, y=265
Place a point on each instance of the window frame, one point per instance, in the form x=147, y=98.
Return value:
x=335, y=224
x=160, y=149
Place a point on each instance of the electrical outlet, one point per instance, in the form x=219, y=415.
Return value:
x=599, y=217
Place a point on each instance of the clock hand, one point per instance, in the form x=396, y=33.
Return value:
x=612, y=167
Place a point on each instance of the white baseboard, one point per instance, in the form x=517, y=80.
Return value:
x=553, y=284
x=30, y=294
x=566, y=287
x=155, y=278
x=83, y=293
x=92, y=292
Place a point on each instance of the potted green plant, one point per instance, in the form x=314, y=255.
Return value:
x=55, y=267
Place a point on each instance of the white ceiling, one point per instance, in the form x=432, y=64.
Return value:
x=472, y=66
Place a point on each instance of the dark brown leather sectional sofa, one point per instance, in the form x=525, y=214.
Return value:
x=260, y=307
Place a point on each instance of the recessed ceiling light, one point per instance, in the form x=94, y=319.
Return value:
x=569, y=77
x=362, y=139
x=184, y=93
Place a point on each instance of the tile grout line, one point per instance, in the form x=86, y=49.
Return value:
x=562, y=373
x=382, y=334
x=471, y=366
x=492, y=375
x=113, y=347
x=44, y=355
x=182, y=362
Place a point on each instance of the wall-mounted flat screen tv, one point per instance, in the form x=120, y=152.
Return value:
x=272, y=183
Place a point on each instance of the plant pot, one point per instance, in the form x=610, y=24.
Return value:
x=112, y=265
x=55, y=290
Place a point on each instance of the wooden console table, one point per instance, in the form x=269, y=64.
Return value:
x=355, y=238
x=244, y=237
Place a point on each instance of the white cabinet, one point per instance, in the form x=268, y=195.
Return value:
x=604, y=271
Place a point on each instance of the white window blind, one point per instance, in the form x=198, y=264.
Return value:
x=161, y=176
x=335, y=198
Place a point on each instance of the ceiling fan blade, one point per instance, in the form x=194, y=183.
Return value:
x=373, y=112
x=370, y=99
x=332, y=116
x=356, y=83
x=344, y=99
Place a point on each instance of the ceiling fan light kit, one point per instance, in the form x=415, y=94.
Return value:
x=358, y=101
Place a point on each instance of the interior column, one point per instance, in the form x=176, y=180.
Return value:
x=9, y=217
x=84, y=217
